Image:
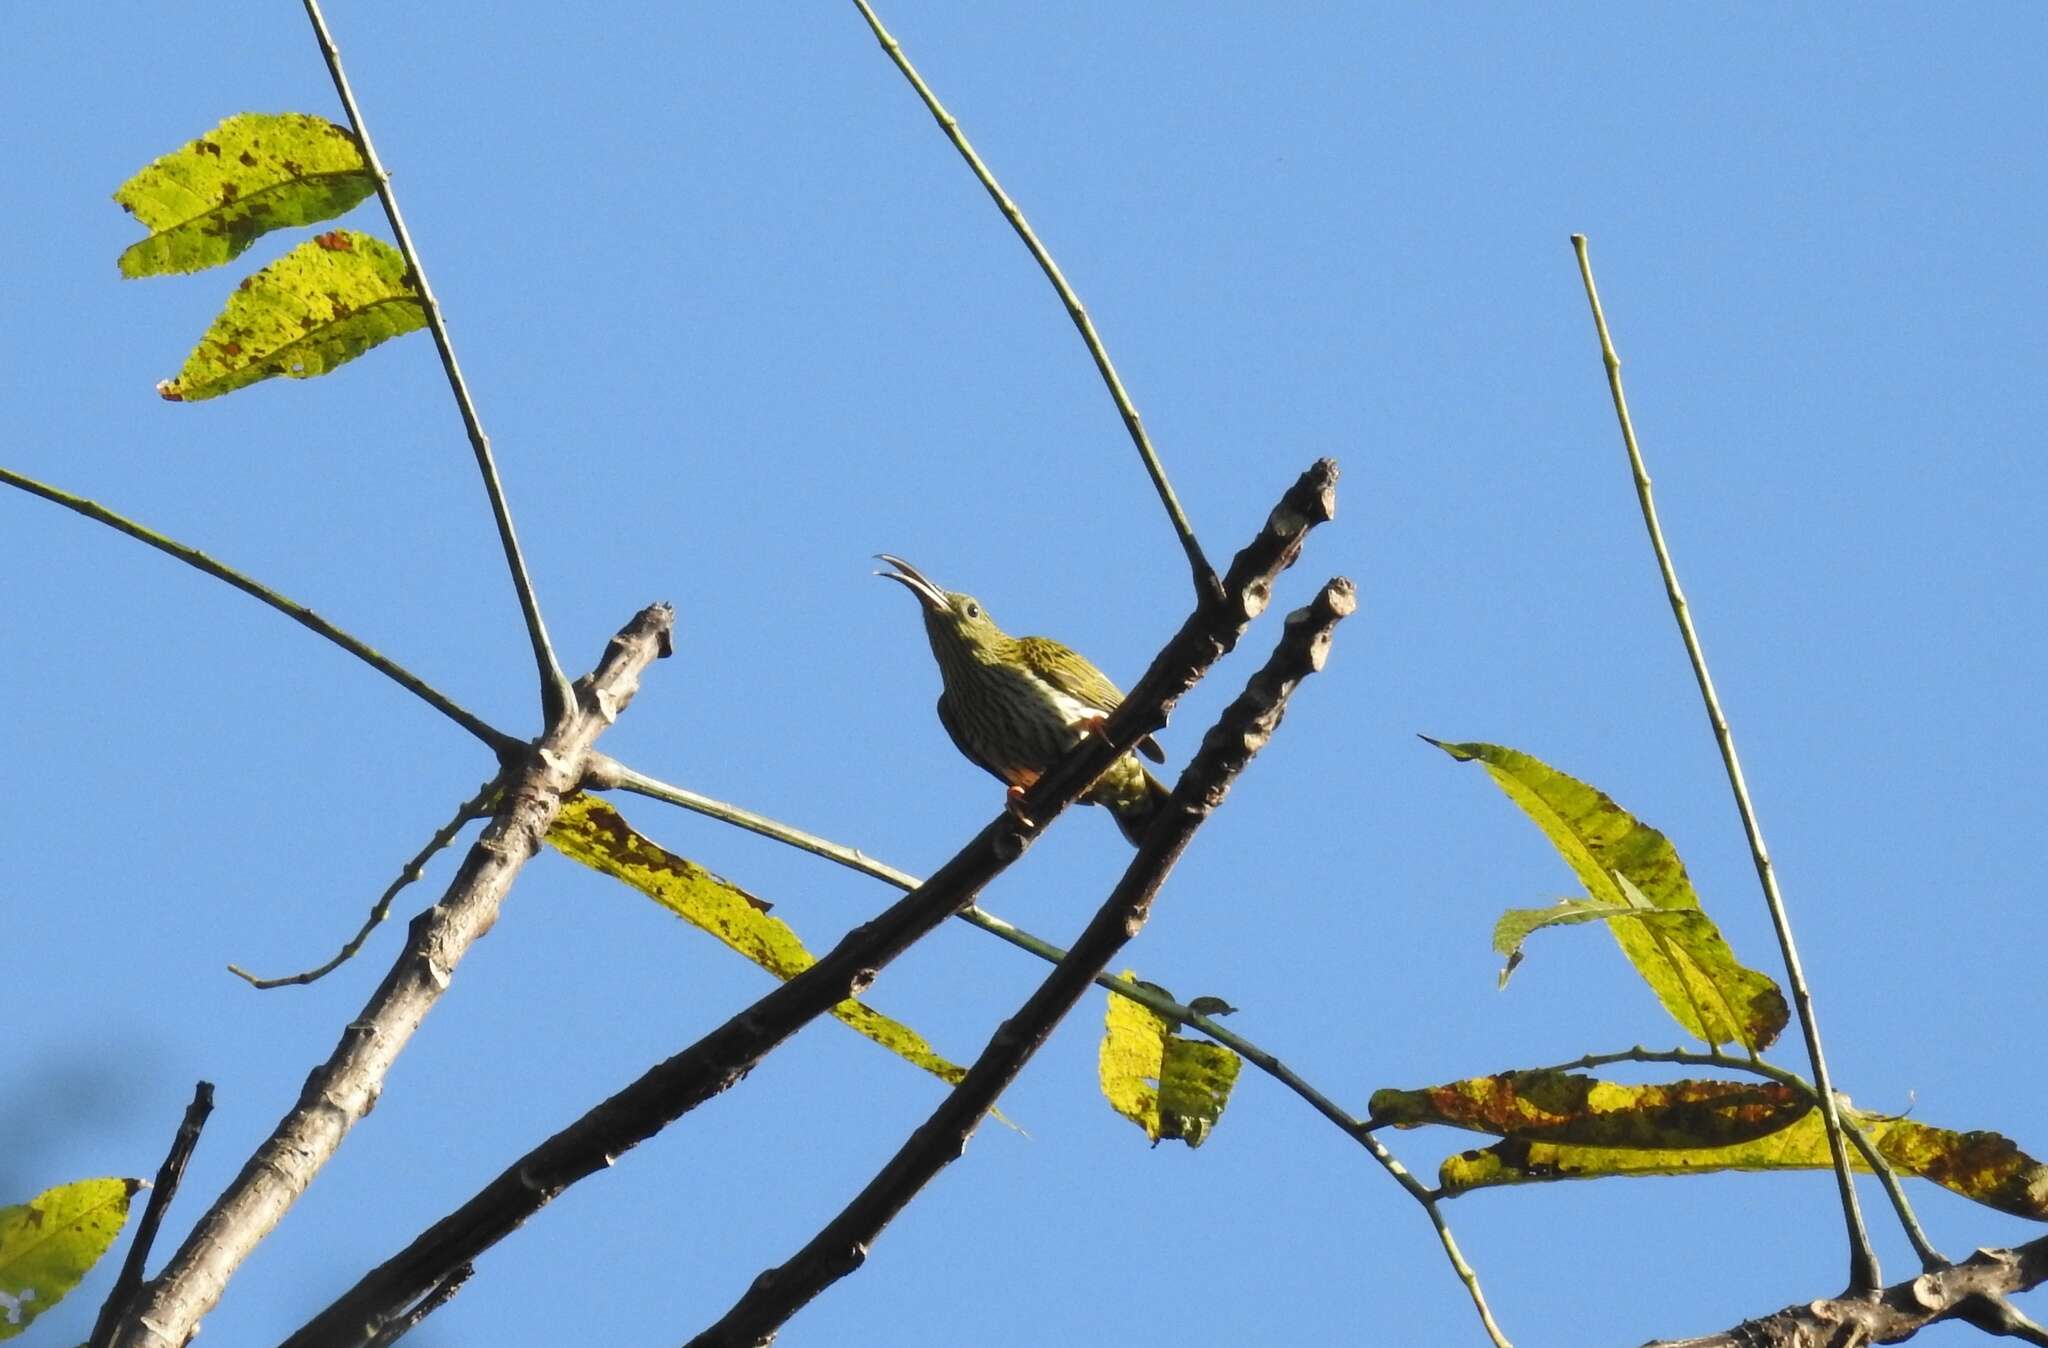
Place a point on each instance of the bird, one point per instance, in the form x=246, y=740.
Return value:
x=1014, y=705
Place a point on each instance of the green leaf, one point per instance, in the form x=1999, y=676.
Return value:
x=1169, y=1086
x=590, y=831
x=48, y=1243
x=255, y=172
x=1636, y=884
x=318, y=307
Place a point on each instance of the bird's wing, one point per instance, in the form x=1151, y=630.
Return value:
x=1073, y=675
x=962, y=743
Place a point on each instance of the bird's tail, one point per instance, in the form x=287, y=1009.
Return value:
x=1133, y=796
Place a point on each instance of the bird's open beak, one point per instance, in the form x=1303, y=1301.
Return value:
x=913, y=580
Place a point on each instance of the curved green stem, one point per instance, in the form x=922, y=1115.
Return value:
x=1207, y=586
x=1863, y=1269
x=497, y=740
x=609, y=774
x=556, y=696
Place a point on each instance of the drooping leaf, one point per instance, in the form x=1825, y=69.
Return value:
x=1559, y=1126
x=316, y=308
x=49, y=1243
x=1635, y=884
x=589, y=830
x=1170, y=1086
x=1986, y=1167
x=255, y=172
x=1565, y=1107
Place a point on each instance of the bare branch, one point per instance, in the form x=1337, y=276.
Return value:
x=473, y=808
x=168, y=1176
x=556, y=698
x=672, y=1088
x=1243, y=729
x=1972, y=1291
x=343, y=1089
x=1863, y=1270
x=443, y=1293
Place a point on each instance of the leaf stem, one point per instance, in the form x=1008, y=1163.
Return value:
x=497, y=740
x=1207, y=586
x=556, y=698
x=1863, y=1268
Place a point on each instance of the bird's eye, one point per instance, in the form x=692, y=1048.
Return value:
x=973, y=609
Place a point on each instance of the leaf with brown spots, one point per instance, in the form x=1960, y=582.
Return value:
x=255, y=172
x=1562, y=1125
x=316, y=308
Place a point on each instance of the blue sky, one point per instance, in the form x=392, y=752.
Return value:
x=738, y=318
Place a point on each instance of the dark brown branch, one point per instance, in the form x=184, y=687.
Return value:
x=672, y=1088
x=442, y=1294
x=168, y=1176
x=1243, y=729
x=343, y=1089
x=1972, y=1291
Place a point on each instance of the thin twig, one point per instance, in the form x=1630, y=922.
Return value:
x=1244, y=728
x=168, y=1176
x=554, y=684
x=1863, y=1269
x=443, y=1293
x=340, y=1091
x=721, y=1058
x=497, y=740
x=609, y=774
x=1887, y=1174
x=1207, y=588
x=476, y=807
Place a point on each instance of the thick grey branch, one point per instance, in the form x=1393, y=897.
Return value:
x=1972, y=1291
x=345, y=1087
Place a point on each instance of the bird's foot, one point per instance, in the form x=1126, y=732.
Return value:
x=1014, y=803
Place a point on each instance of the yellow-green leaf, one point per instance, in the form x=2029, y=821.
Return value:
x=253, y=173
x=316, y=308
x=589, y=830
x=48, y=1243
x=1637, y=885
x=1169, y=1086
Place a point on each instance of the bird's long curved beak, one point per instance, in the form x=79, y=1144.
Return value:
x=913, y=580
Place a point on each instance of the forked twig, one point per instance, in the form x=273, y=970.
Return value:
x=476, y=807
